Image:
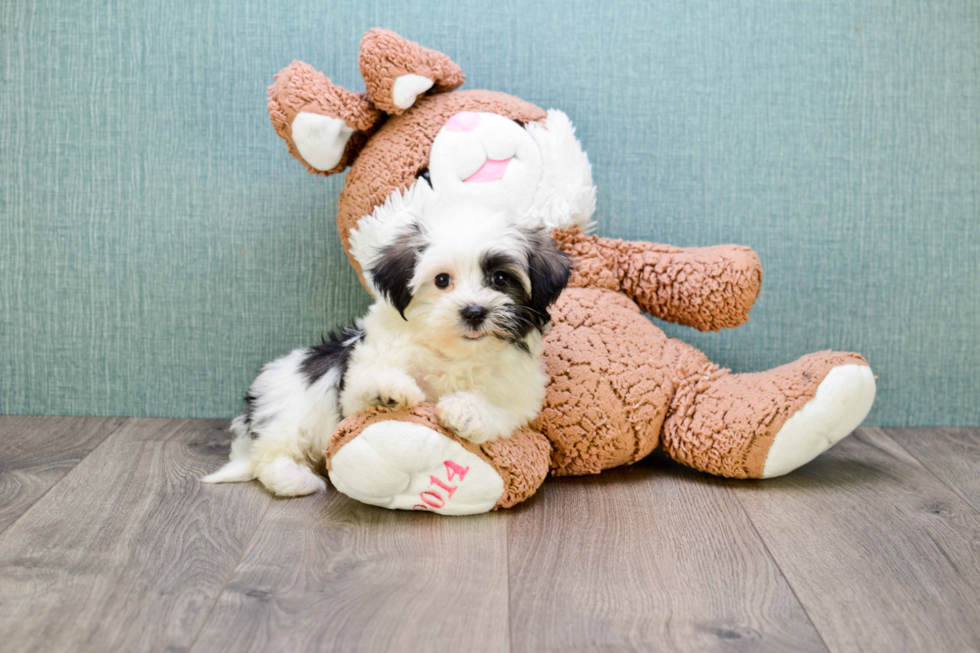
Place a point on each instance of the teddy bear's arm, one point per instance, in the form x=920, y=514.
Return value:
x=708, y=288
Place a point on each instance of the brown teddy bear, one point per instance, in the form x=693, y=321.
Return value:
x=619, y=387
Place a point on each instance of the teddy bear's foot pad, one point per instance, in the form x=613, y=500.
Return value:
x=408, y=466
x=841, y=402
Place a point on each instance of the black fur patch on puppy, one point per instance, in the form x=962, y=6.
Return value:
x=250, y=400
x=394, y=268
x=333, y=352
x=495, y=261
x=547, y=269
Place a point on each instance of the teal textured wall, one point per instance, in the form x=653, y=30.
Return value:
x=158, y=244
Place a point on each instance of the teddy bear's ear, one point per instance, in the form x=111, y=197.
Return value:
x=396, y=71
x=324, y=125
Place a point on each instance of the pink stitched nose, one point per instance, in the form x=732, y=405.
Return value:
x=464, y=121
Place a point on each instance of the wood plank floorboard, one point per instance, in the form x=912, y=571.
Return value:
x=953, y=455
x=113, y=544
x=129, y=551
x=882, y=555
x=325, y=573
x=38, y=452
x=650, y=557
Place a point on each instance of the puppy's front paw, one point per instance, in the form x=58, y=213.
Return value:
x=469, y=416
x=390, y=389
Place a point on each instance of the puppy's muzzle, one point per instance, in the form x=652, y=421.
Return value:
x=473, y=316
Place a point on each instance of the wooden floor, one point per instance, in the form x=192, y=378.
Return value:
x=108, y=542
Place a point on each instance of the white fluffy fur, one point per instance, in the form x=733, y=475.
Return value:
x=564, y=196
x=376, y=231
x=484, y=386
x=484, y=390
x=291, y=422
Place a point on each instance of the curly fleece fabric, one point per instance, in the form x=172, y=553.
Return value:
x=708, y=288
x=399, y=151
x=299, y=87
x=385, y=57
x=521, y=460
x=619, y=386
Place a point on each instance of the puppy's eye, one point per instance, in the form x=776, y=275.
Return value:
x=442, y=280
x=500, y=279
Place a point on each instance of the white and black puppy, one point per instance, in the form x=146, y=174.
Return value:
x=464, y=302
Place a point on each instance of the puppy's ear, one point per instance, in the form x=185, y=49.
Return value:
x=393, y=269
x=549, y=269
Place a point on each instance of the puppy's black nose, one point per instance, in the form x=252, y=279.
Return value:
x=474, y=315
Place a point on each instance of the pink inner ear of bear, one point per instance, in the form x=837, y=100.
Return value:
x=464, y=121
x=491, y=170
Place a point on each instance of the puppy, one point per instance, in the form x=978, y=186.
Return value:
x=464, y=296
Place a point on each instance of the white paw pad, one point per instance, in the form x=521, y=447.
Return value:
x=841, y=402
x=407, y=466
x=320, y=139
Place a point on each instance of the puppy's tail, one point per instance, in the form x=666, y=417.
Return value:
x=240, y=467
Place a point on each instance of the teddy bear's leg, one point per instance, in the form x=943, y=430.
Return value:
x=324, y=125
x=406, y=460
x=769, y=423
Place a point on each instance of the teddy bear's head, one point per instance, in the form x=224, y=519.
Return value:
x=412, y=137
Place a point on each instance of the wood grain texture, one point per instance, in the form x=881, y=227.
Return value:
x=325, y=573
x=953, y=455
x=38, y=452
x=882, y=555
x=867, y=548
x=653, y=557
x=129, y=551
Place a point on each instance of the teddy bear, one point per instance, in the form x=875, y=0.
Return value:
x=619, y=387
